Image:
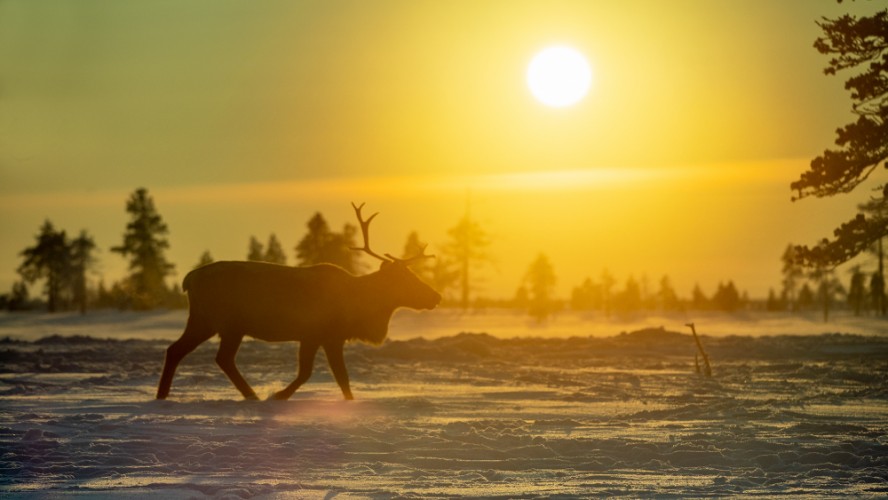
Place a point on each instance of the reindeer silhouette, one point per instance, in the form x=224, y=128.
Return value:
x=320, y=306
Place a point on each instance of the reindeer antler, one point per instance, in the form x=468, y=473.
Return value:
x=409, y=260
x=365, y=229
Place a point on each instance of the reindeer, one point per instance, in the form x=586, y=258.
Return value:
x=320, y=306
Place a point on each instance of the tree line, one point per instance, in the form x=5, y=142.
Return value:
x=62, y=264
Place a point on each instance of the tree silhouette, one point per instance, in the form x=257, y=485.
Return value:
x=792, y=273
x=726, y=297
x=321, y=244
x=19, y=299
x=773, y=304
x=857, y=290
x=310, y=249
x=274, y=252
x=48, y=259
x=81, y=255
x=586, y=297
x=255, y=252
x=540, y=282
x=877, y=291
x=859, y=43
x=339, y=250
x=827, y=287
x=144, y=242
x=806, y=298
x=667, y=296
x=698, y=298
x=629, y=300
x=424, y=268
x=205, y=258
x=878, y=209
x=467, y=250
x=607, y=286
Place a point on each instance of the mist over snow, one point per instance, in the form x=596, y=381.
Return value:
x=526, y=411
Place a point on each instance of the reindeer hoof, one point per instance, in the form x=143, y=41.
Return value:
x=251, y=397
x=279, y=396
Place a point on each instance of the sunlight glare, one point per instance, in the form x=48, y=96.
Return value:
x=559, y=76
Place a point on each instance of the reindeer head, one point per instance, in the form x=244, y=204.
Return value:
x=401, y=284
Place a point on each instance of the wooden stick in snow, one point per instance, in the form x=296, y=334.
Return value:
x=707, y=369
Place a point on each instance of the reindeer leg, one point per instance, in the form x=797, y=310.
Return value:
x=225, y=359
x=307, y=353
x=194, y=335
x=337, y=365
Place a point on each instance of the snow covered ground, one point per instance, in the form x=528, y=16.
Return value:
x=572, y=408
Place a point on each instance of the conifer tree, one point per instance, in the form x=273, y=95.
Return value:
x=321, y=244
x=540, y=282
x=423, y=268
x=81, y=255
x=205, y=258
x=144, y=243
x=857, y=290
x=467, y=250
x=274, y=252
x=667, y=296
x=859, y=44
x=255, y=252
x=48, y=259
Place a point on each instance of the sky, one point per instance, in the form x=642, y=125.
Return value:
x=245, y=118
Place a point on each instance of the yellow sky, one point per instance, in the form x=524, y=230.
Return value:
x=244, y=118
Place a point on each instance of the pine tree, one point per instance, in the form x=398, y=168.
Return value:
x=255, y=252
x=726, y=297
x=144, y=242
x=205, y=258
x=607, y=286
x=877, y=209
x=586, y=297
x=467, y=250
x=81, y=255
x=827, y=288
x=422, y=267
x=629, y=300
x=667, y=296
x=806, y=298
x=310, y=249
x=540, y=281
x=339, y=249
x=698, y=298
x=321, y=244
x=857, y=290
x=792, y=273
x=48, y=259
x=877, y=291
x=19, y=300
x=859, y=44
x=274, y=252
x=773, y=303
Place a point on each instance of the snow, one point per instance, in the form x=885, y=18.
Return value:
x=795, y=407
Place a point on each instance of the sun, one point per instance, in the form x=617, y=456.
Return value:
x=559, y=76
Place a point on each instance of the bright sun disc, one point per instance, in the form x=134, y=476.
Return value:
x=559, y=76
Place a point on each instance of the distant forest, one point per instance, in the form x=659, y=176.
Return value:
x=63, y=266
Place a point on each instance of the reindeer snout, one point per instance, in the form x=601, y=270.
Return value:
x=431, y=300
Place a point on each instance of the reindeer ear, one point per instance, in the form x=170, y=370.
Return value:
x=384, y=264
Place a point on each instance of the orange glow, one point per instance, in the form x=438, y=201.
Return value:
x=673, y=163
